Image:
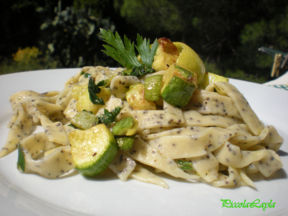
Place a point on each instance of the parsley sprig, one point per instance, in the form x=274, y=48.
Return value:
x=123, y=51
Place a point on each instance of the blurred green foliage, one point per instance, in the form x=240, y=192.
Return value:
x=157, y=17
x=226, y=34
x=73, y=39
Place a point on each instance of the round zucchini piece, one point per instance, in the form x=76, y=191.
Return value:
x=190, y=60
x=93, y=149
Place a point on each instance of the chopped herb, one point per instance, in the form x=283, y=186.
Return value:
x=109, y=117
x=184, y=165
x=21, y=159
x=124, y=52
x=86, y=75
x=94, y=89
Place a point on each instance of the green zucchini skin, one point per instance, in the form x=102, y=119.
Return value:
x=102, y=162
x=84, y=120
x=152, y=88
x=122, y=126
x=177, y=92
x=125, y=143
x=92, y=149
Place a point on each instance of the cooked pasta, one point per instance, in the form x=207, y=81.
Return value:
x=217, y=138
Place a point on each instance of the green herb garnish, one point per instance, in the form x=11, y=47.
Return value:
x=123, y=51
x=185, y=165
x=86, y=75
x=109, y=117
x=21, y=159
x=94, y=89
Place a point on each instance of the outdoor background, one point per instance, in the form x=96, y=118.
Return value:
x=42, y=34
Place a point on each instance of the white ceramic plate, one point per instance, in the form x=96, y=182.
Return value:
x=27, y=194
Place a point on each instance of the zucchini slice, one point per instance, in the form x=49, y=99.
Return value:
x=84, y=120
x=93, y=149
x=178, y=87
x=124, y=127
x=210, y=78
x=152, y=87
x=136, y=99
x=190, y=60
x=125, y=143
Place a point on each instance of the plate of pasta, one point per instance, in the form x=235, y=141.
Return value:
x=76, y=195
x=159, y=135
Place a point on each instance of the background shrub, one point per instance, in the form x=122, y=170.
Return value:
x=226, y=34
